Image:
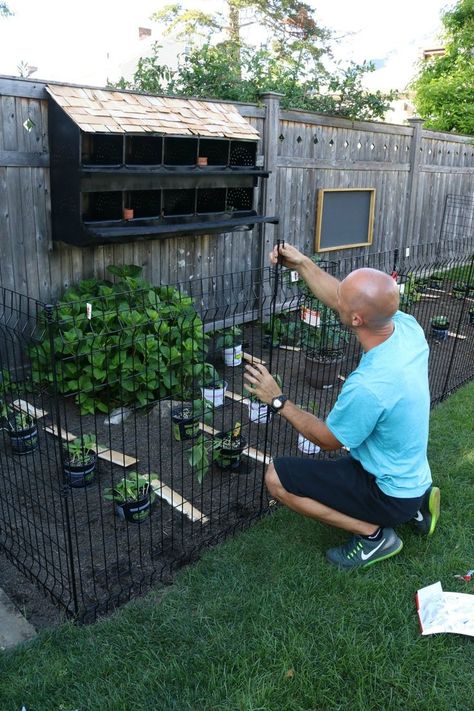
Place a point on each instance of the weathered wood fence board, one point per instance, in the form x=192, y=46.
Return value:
x=412, y=170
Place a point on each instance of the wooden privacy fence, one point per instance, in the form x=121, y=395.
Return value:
x=423, y=181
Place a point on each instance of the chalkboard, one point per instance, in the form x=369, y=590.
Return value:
x=345, y=218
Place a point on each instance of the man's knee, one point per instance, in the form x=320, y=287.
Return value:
x=273, y=483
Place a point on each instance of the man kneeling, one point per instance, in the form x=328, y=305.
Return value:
x=381, y=416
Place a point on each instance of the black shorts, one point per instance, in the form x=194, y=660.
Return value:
x=344, y=485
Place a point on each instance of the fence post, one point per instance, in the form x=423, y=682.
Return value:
x=271, y=99
x=48, y=310
x=408, y=235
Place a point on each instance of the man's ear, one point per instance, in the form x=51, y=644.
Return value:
x=356, y=320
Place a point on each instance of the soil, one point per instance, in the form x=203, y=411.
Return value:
x=49, y=527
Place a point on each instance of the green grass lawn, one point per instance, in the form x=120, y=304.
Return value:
x=263, y=623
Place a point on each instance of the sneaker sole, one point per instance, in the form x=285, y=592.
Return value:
x=383, y=557
x=434, y=507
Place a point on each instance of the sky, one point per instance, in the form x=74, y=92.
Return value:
x=95, y=40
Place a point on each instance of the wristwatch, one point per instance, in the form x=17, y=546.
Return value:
x=278, y=402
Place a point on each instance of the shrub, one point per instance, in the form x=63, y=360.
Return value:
x=138, y=343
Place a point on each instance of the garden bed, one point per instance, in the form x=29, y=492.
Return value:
x=113, y=560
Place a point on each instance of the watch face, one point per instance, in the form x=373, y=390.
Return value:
x=278, y=402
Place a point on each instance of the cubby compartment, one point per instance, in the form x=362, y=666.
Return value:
x=216, y=151
x=98, y=149
x=243, y=154
x=211, y=200
x=239, y=199
x=179, y=152
x=99, y=207
x=178, y=202
x=143, y=150
x=145, y=203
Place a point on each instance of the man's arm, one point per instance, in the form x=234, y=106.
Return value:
x=323, y=285
x=264, y=386
x=309, y=426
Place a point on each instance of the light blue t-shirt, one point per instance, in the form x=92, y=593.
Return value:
x=382, y=412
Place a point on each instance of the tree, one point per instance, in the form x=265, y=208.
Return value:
x=444, y=85
x=5, y=10
x=220, y=64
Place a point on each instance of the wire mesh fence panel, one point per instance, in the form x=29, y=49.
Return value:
x=129, y=440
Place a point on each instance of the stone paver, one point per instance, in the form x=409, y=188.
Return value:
x=14, y=628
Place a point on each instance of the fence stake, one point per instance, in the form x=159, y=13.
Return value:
x=48, y=309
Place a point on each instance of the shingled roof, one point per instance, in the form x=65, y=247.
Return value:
x=104, y=111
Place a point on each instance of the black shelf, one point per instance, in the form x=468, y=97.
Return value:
x=166, y=171
x=128, y=231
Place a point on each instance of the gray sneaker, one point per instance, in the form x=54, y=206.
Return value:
x=427, y=517
x=360, y=552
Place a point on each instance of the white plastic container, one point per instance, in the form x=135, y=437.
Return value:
x=259, y=412
x=215, y=395
x=233, y=356
x=306, y=446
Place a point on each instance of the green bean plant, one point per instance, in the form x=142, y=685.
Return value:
x=122, y=343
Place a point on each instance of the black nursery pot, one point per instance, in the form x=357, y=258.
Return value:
x=24, y=441
x=80, y=475
x=471, y=317
x=440, y=333
x=184, y=428
x=323, y=371
x=135, y=511
x=436, y=283
x=229, y=458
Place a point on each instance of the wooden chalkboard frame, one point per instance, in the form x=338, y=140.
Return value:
x=361, y=240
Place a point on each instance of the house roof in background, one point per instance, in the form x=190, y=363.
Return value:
x=104, y=111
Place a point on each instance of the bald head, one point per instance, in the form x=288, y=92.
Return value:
x=371, y=295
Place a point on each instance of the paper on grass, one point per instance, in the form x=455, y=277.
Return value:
x=440, y=611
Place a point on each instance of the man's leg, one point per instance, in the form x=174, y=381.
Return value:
x=428, y=514
x=314, y=509
x=362, y=550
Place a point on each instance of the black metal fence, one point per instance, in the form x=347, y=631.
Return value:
x=95, y=521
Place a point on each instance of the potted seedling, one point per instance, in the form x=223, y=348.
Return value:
x=470, y=315
x=21, y=429
x=230, y=341
x=80, y=459
x=228, y=447
x=421, y=283
x=323, y=347
x=212, y=386
x=19, y=425
x=186, y=418
x=133, y=497
x=259, y=411
x=436, y=281
x=305, y=445
x=439, y=327
x=460, y=290
x=280, y=330
x=223, y=448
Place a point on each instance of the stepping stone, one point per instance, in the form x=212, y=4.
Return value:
x=14, y=628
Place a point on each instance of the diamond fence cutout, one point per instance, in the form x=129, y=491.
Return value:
x=28, y=125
